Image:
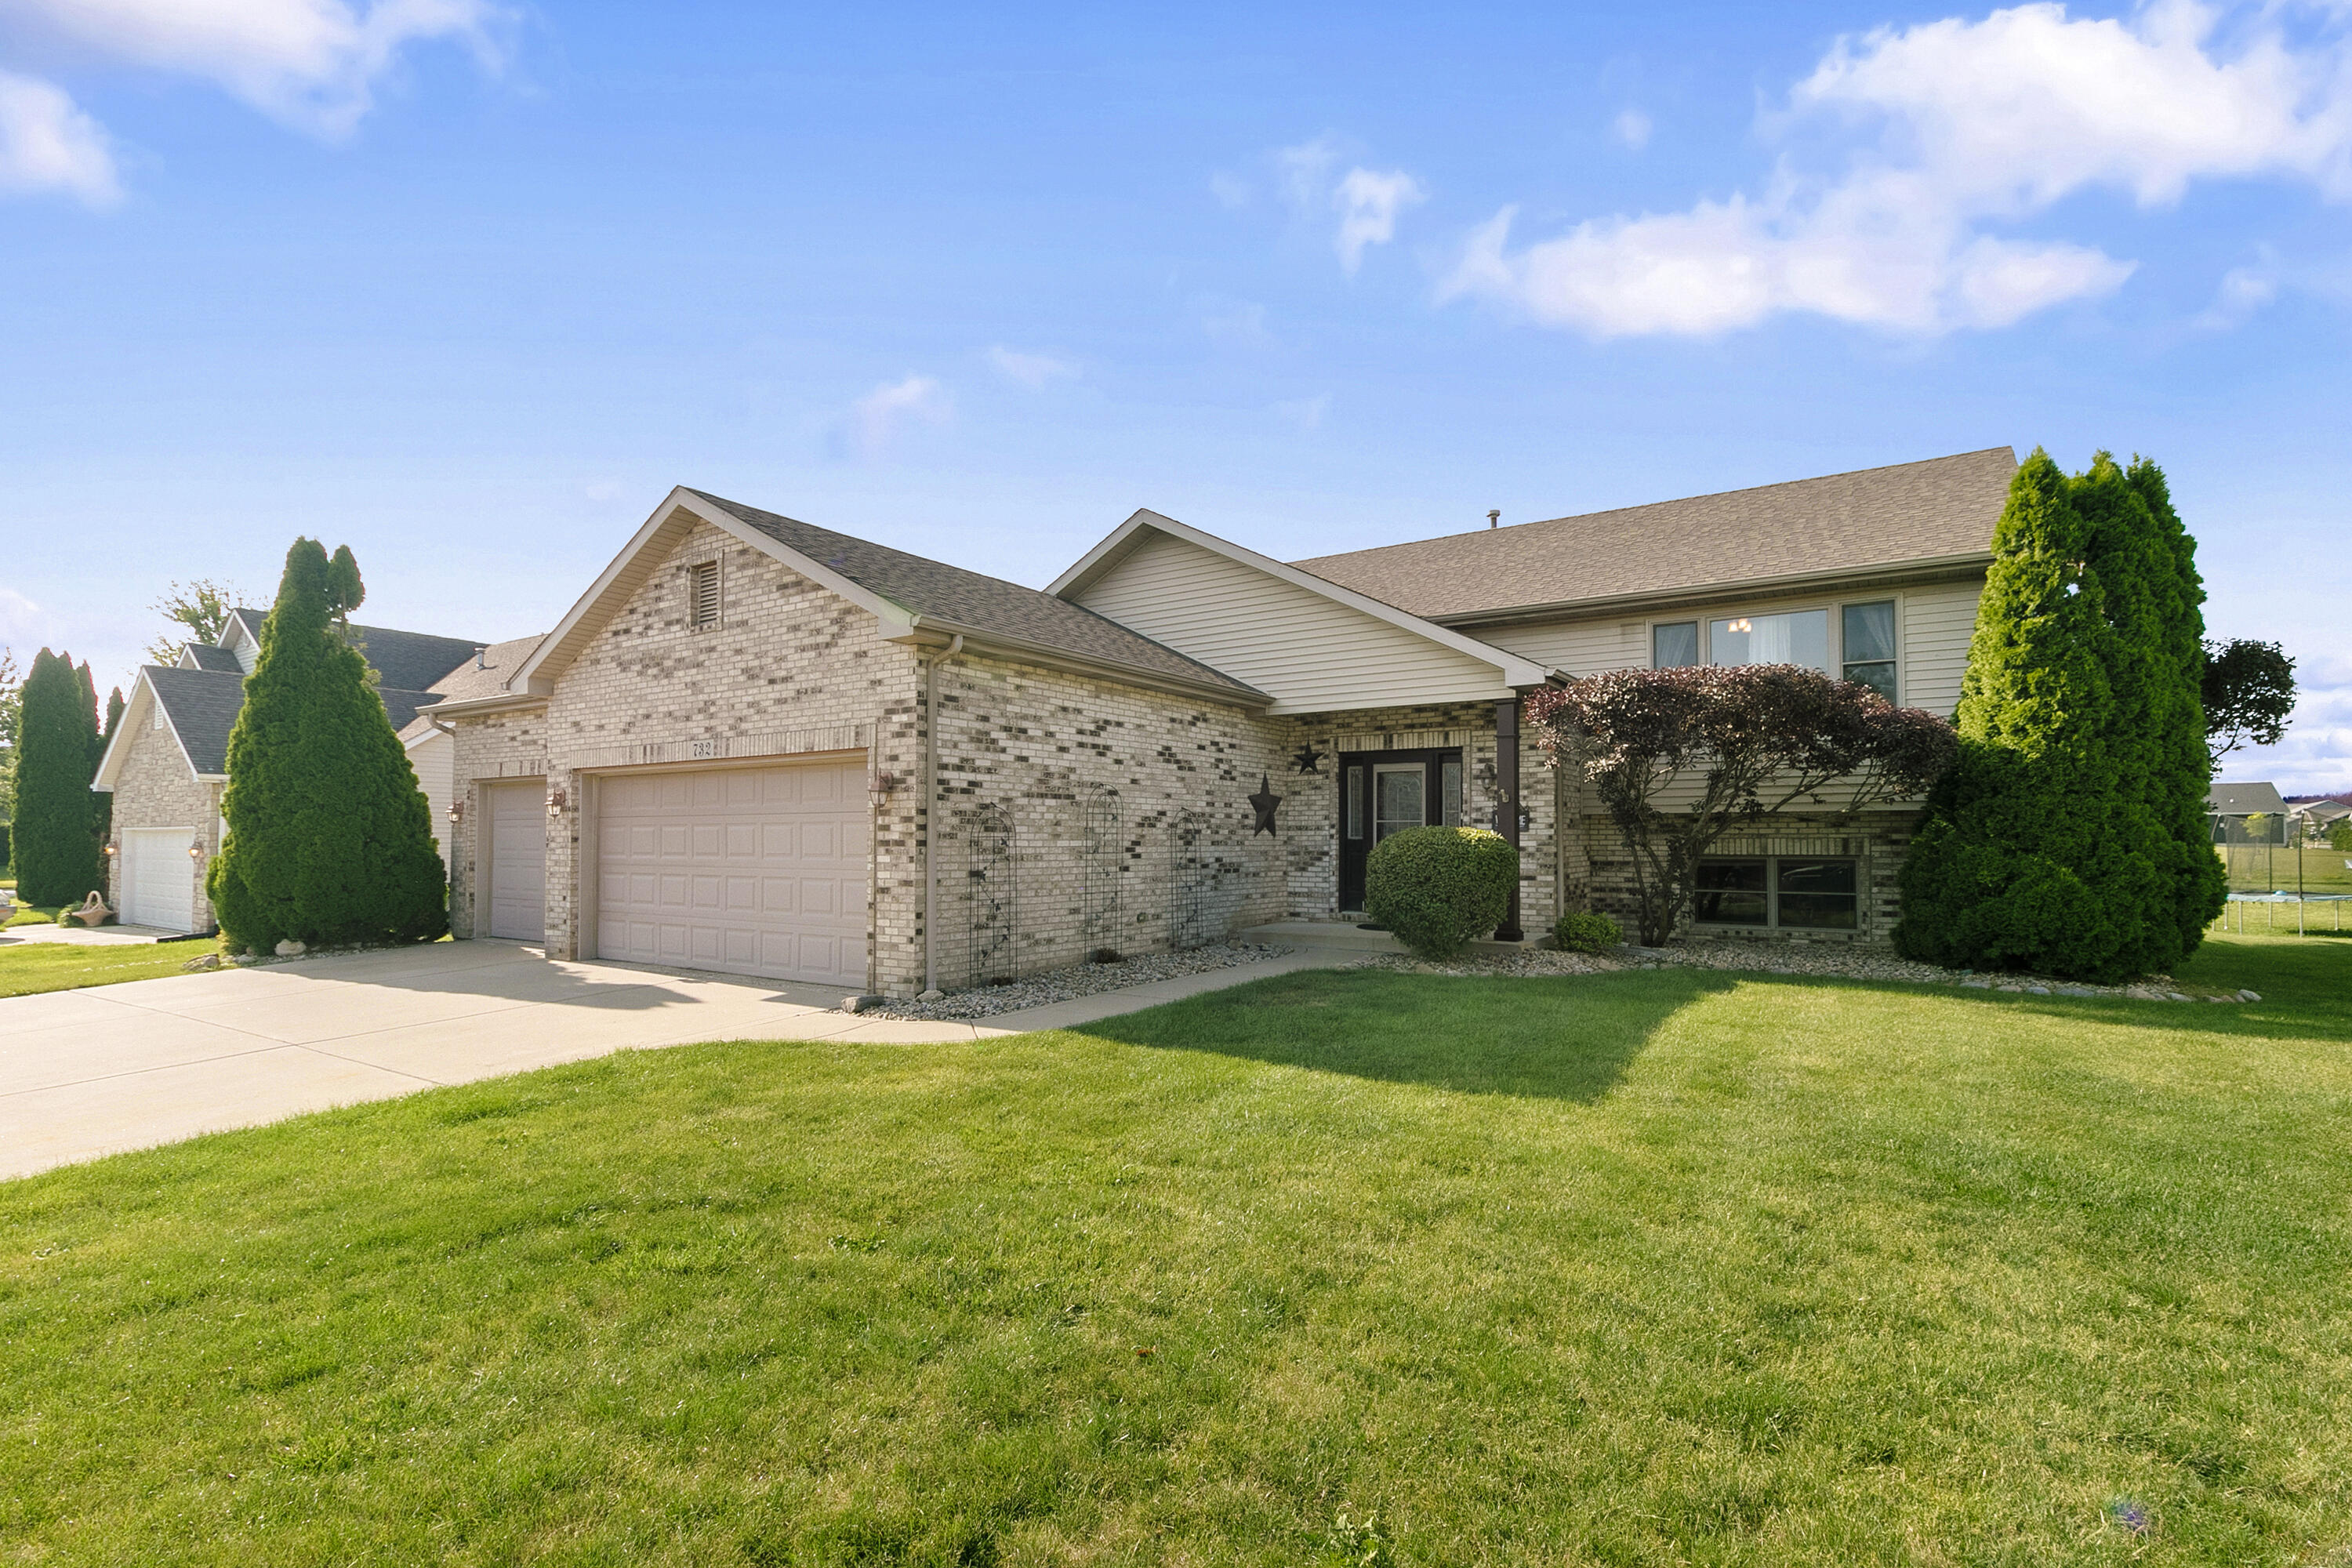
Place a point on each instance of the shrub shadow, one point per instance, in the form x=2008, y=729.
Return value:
x=1469, y=1035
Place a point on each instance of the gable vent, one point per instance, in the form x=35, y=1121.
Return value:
x=705, y=594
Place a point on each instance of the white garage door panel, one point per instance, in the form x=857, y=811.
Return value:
x=746, y=871
x=517, y=861
x=159, y=878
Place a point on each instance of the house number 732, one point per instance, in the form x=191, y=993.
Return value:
x=697, y=749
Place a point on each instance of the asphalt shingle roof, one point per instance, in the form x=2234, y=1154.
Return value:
x=203, y=705
x=1874, y=517
x=2243, y=799
x=974, y=602
x=217, y=659
x=403, y=661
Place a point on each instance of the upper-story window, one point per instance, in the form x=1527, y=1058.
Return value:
x=1869, y=646
x=1673, y=645
x=702, y=594
x=1862, y=648
x=1798, y=636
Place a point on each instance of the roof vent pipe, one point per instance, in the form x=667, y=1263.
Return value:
x=478, y=663
x=1494, y=518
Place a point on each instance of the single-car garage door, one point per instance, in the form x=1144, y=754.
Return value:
x=743, y=870
x=517, y=860
x=159, y=878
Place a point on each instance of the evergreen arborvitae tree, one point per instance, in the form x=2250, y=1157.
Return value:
x=2056, y=843
x=2183, y=770
x=329, y=840
x=57, y=860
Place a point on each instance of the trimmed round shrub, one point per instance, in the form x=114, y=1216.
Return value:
x=1580, y=931
x=1438, y=887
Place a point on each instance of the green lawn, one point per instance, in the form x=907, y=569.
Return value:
x=66, y=966
x=1665, y=1267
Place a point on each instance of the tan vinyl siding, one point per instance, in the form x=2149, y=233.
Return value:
x=1937, y=624
x=1309, y=653
x=1933, y=627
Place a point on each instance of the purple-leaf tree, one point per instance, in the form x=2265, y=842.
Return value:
x=1680, y=757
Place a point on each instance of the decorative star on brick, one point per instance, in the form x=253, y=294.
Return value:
x=1308, y=757
x=1265, y=800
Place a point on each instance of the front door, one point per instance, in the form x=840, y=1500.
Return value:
x=1382, y=792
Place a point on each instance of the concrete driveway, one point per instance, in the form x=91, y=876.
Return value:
x=123, y=1067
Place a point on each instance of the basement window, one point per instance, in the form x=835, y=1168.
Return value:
x=702, y=594
x=1790, y=893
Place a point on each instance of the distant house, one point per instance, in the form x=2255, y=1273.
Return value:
x=2228, y=805
x=2318, y=818
x=167, y=761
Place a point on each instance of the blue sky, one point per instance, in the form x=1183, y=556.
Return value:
x=469, y=286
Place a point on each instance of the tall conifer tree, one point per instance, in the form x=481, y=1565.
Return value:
x=329, y=842
x=57, y=859
x=2057, y=844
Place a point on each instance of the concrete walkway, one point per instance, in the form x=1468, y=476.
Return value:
x=84, y=1073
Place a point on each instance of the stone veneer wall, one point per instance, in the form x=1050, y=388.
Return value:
x=1125, y=807
x=157, y=789
x=1878, y=839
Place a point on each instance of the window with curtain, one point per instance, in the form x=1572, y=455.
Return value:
x=1870, y=646
x=1795, y=637
x=1673, y=645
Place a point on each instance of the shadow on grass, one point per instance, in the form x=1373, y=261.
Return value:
x=1472, y=1036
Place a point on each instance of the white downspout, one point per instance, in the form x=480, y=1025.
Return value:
x=932, y=811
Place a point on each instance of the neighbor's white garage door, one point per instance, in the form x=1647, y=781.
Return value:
x=744, y=870
x=159, y=878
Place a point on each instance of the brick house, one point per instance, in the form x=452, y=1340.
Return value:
x=167, y=761
x=762, y=747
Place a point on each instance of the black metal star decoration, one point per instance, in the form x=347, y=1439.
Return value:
x=1265, y=800
x=1308, y=757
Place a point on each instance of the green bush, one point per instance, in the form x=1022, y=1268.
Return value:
x=1579, y=931
x=1438, y=887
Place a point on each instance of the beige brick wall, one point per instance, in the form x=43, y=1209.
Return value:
x=1129, y=818
x=1878, y=841
x=499, y=746
x=156, y=788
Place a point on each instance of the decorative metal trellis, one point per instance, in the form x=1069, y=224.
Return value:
x=1098, y=867
x=991, y=895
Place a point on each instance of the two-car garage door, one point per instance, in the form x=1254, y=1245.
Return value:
x=743, y=870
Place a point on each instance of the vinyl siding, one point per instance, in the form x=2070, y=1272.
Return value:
x=436, y=761
x=1306, y=652
x=1934, y=623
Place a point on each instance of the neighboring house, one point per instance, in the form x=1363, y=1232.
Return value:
x=765, y=748
x=2227, y=806
x=167, y=761
x=2316, y=819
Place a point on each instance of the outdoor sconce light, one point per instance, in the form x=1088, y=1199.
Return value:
x=556, y=800
x=195, y=849
x=456, y=812
x=109, y=846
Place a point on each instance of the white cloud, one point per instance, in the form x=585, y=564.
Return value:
x=2316, y=754
x=1631, y=130
x=876, y=419
x=1946, y=131
x=1238, y=321
x=311, y=63
x=47, y=144
x=1233, y=192
x=1369, y=203
x=2243, y=291
x=1033, y=371
x=1366, y=200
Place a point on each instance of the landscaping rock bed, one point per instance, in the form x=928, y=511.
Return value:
x=1844, y=961
x=1067, y=985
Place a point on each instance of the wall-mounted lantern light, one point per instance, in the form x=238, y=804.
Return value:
x=195, y=849
x=109, y=846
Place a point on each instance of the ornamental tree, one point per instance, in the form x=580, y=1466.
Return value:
x=57, y=858
x=1680, y=757
x=329, y=840
x=2248, y=693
